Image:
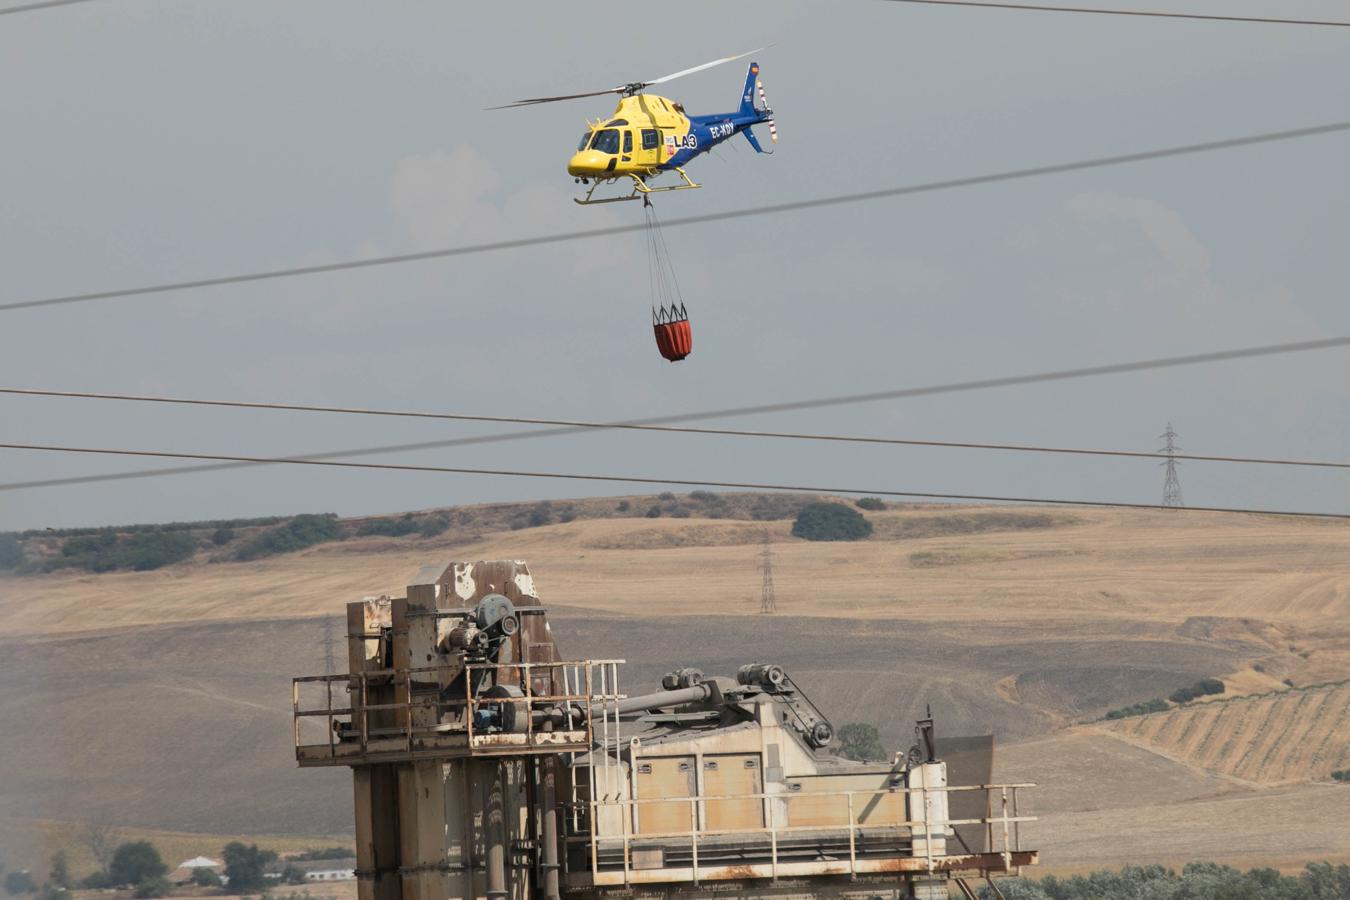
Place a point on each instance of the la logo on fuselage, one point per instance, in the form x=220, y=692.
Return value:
x=688, y=142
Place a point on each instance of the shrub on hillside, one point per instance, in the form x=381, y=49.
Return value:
x=433, y=525
x=1139, y=709
x=107, y=551
x=703, y=496
x=830, y=522
x=404, y=525
x=222, y=535
x=1202, y=688
x=872, y=504
x=137, y=529
x=11, y=552
x=1341, y=775
x=541, y=514
x=154, y=550
x=300, y=532
x=654, y=512
x=622, y=506
x=769, y=507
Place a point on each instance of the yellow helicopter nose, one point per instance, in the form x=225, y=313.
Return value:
x=588, y=162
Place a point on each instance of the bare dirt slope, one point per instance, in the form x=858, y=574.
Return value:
x=161, y=698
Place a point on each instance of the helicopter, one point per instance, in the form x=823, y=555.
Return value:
x=649, y=134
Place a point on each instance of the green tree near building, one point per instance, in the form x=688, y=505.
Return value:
x=134, y=862
x=860, y=741
x=244, y=865
x=154, y=886
x=20, y=882
x=205, y=876
x=60, y=874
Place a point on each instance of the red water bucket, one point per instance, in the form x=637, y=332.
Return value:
x=674, y=338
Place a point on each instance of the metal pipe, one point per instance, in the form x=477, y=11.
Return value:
x=661, y=699
x=494, y=832
x=549, y=801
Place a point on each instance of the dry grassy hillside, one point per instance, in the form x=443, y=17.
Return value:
x=161, y=697
x=1290, y=736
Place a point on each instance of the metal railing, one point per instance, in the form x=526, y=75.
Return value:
x=1002, y=832
x=412, y=715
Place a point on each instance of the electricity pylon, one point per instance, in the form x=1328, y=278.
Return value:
x=1171, y=484
x=767, y=602
x=328, y=642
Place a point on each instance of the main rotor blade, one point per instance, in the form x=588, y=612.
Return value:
x=708, y=65
x=534, y=101
x=629, y=88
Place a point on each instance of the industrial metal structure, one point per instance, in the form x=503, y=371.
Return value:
x=486, y=766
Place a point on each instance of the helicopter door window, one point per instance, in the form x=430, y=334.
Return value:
x=628, y=142
x=651, y=139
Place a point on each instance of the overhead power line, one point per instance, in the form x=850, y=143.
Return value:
x=794, y=206
x=643, y=479
x=580, y=425
x=34, y=7
x=1152, y=14
x=736, y=412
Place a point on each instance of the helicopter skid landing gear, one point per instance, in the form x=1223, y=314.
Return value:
x=640, y=189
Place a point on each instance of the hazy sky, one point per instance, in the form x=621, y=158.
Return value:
x=154, y=141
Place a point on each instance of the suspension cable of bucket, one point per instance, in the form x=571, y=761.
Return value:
x=670, y=319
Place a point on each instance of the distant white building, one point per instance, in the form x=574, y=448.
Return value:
x=315, y=869
x=331, y=870
x=185, y=870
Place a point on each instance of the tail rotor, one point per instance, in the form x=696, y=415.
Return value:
x=773, y=127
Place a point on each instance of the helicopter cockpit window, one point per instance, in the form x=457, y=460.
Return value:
x=616, y=123
x=606, y=141
x=585, y=139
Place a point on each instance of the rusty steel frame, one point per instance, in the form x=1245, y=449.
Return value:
x=370, y=748
x=1009, y=859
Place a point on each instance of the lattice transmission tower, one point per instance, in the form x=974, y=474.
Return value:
x=767, y=602
x=328, y=642
x=1171, y=484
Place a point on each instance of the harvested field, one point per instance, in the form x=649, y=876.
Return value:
x=1295, y=735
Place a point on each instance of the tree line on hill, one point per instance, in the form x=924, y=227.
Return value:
x=148, y=547
x=1205, y=687
x=1197, y=881
x=144, y=548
